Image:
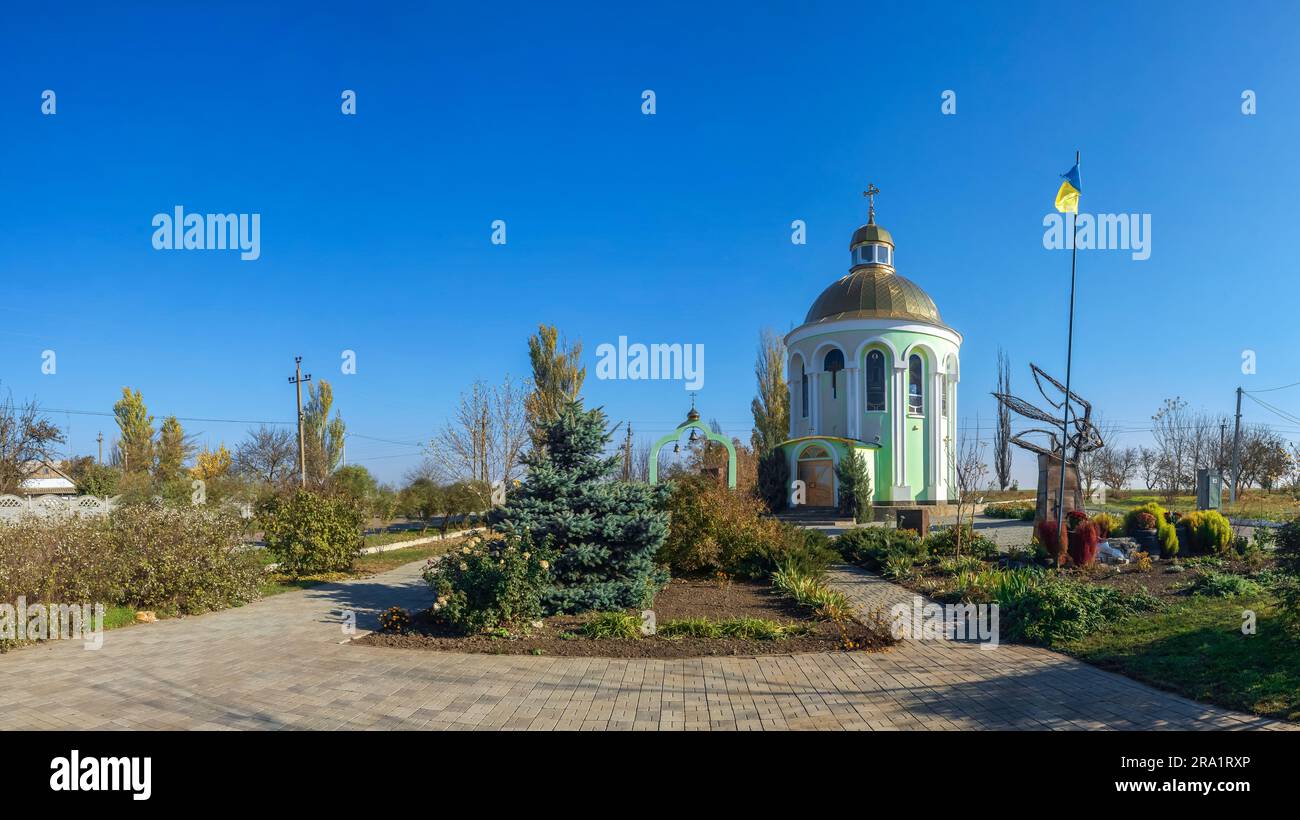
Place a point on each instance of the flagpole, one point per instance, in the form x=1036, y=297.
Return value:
x=1069, y=356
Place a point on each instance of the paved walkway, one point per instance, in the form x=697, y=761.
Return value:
x=280, y=663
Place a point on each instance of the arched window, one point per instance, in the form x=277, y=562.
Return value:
x=833, y=364
x=915, y=385
x=875, y=381
x=814, y=451
x=803, y=391
x=943, y=386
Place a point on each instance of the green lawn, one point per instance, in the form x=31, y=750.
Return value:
x=1277, y=506
x=118, y=616
x=1195, y=648
x=383, y=539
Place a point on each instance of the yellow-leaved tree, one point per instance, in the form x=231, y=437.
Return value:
x=211, y=464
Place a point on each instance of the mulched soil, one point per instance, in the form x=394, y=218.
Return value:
x=561, y=635
x=1159, y=581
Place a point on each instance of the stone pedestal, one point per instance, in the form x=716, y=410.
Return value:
x=1049, y=484
x=917, y=518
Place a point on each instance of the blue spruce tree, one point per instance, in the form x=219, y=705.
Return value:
x=604, y=533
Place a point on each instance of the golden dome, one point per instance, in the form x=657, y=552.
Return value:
x=870, y=232
x=874, y=292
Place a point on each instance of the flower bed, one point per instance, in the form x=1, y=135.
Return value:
x=700, y=617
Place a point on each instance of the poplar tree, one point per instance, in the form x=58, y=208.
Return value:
x=135, y=428
x=771, y=405
x=322, y=436
x=557, y=376
x=1002, y=433
x=171, y=450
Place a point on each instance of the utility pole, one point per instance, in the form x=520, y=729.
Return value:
x=296, y=380
x=100, y=438
x=1223, y=432
x=627, y=455
x=483, y=445
x=1236, y=452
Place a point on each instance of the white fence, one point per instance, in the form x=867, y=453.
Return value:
x=13, y=507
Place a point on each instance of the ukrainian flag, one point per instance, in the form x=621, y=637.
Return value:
x=1067, y=199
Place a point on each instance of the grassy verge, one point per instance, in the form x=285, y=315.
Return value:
x=1277, y=506
x=1196, y=648
x=383, y=539
x=119, y=616
x=365, y=566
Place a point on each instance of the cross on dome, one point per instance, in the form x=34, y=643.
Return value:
x=870, y=194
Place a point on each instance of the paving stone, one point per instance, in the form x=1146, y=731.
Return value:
x=279, y=664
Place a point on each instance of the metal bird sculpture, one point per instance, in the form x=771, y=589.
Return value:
x=1081, y=436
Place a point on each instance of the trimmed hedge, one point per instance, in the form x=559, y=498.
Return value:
x=185, y=560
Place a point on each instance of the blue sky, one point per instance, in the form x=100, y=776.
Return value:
x=675, y=227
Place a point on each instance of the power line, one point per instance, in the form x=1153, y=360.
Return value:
x=178, y=418
x=1271, y=389
x=1277, y=411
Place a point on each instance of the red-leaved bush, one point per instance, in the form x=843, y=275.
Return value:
x=1083, y=544
x=1047, y=536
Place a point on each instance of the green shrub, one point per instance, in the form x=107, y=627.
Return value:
x=1044, y=608
x=489, y=584
x=773, y=483
x=99, y=480
x=809, y=551
x=898, y=567
x=311, y=533
x=1223, y=585
x=1209, y=531
x=871, y=547
x=183, y=560
x=854, y=486
x=1168, y=537
x=188, y=560
x=713, y=529
x=1106, y=524
x=1014, y=509
x=1166, y=533
x=1287, y=588
x=618, y=625
x=943, y=542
